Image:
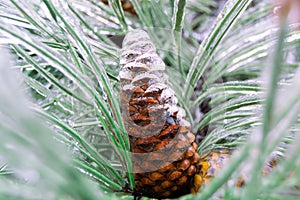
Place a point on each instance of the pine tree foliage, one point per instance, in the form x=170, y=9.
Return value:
x=234, y=67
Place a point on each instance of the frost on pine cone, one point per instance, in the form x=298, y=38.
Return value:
x=163, y=150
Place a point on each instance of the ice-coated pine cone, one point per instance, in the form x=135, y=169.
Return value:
x=163, y=150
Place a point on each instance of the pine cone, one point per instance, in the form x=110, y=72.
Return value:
x=211, y=163
x=164, y=153
x=209, y=166
x=127, y=6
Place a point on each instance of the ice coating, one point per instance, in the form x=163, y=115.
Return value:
x=137, y=48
